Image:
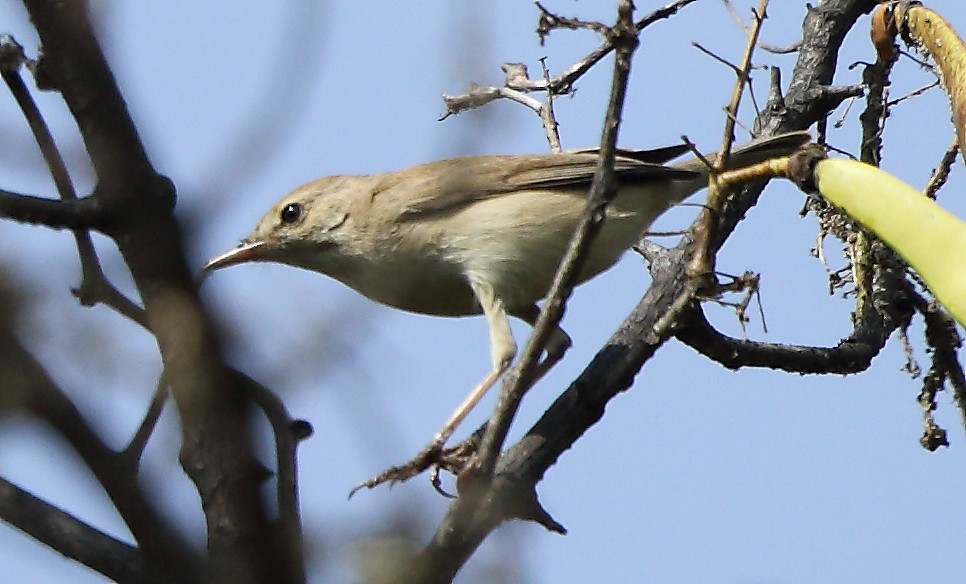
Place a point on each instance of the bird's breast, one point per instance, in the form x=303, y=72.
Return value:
x=412, y=272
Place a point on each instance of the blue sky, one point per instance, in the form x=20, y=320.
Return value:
x=697, y=474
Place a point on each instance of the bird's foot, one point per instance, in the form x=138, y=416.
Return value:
x=435, y=458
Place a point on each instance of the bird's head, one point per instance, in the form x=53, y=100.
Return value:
x=302, y=229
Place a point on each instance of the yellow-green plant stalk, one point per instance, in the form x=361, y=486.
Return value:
x=929, y=238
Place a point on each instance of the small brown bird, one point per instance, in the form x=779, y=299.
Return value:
x=476, y=235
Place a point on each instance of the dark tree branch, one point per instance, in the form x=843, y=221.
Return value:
x=612, y=371
x=489, y=500
x=289, y=433
x=573, y=413
x=134, y=450
x=74, y=538
x=86, y=213
x=216, y=450
x=94, y=285
x=943, y=337
x=849, y=356
x=27, y=387
x=810, y=96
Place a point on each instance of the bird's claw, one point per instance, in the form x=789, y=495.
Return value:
x=435, y=458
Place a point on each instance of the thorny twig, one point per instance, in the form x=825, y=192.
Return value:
x=518, y=83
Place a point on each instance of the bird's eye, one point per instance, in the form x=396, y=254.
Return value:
x=291, y=213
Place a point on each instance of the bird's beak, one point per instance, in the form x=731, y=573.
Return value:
x=246, y=252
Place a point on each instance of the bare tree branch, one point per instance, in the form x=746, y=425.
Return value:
x=133, y=205
x=216, y=451
x=94, y=287
x=518, y=83
x=488, y=500
x=474, y=515
x=850, y=356
x=86, y=213
x=289, y=433
x=27, y=387
x=74, y=538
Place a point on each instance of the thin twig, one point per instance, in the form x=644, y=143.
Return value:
x=940, y=174
x=743, y=78
x=289, y=433
x=27, y=383
x=769, y=48
x=913, y=93
x=557, y=85
x=735, y=68
x=550, y=21
x=518, y=379
x=550, y=125
x=134, y=450
x=701, y=264
x=95, y=287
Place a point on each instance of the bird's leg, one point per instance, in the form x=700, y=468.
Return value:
x=457, y=458
x=502, y=350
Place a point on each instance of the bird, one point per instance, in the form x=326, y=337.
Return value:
x=477, y=234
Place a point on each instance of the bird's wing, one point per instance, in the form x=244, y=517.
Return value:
x=462, y=181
